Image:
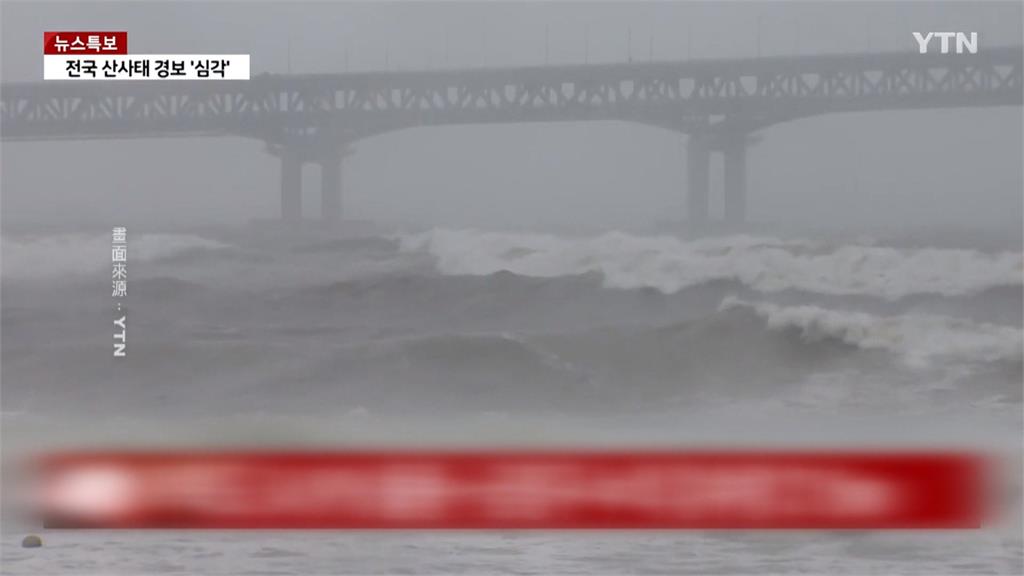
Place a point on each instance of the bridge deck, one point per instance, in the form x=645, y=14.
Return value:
x=687, y=96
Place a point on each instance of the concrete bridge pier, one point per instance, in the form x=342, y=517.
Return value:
x=330, y=188
x=734, y=153
x=698, y=167
x=291, y=185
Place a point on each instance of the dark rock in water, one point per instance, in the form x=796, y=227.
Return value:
x=32, y=541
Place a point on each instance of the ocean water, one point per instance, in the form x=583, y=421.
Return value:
x=453, y=338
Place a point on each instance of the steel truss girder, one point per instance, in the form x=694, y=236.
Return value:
x=665, y=94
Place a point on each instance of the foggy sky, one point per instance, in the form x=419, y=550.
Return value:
x=874, y=169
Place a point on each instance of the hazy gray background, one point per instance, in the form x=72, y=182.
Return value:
x=876, y=169
x=461, y=337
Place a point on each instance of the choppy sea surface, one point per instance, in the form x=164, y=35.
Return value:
x=451, y=337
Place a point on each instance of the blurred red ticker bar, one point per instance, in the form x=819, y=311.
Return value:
x=512, y=490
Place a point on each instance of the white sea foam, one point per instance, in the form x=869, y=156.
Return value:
x=670, y=264
x=918, y=339
x=52, y=256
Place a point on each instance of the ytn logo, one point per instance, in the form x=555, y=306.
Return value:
x=963, y=42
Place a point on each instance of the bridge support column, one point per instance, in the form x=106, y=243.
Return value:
x=735, y=180
x=291, y=186
x=330, y=188
x=698, y=166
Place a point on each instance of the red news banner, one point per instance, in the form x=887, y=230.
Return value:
x=512, y=490
x=66, y=43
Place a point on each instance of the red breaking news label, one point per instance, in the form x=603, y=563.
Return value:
x=71, y=43
x=500, y=490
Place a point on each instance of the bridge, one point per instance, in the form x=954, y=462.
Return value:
x=314, y=118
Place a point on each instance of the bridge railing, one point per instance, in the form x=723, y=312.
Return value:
x=659, y=93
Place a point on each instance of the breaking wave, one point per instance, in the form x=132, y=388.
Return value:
x=918, y=339
x=455, y=320
x=670, y=264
